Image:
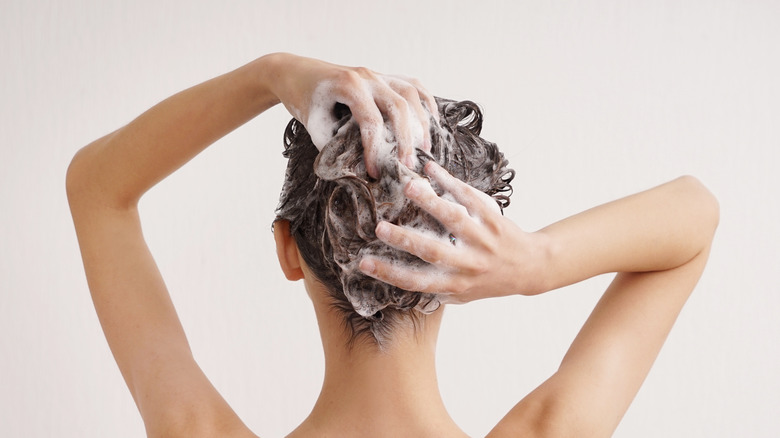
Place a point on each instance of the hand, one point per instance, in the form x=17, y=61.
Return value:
x=491, y=256
x=310, y=89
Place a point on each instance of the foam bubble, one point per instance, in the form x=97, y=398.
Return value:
x=424, y=276
x=483, y=197
x=321, y=122
x=388, y=203
x=360, y=202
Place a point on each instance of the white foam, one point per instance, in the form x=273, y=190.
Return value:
x=424, y=276
x=321, y=122
x=484, y=197
x=390, y=199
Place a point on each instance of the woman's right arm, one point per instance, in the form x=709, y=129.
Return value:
x=657, y=241
x=107, y=178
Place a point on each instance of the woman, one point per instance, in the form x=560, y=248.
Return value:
x=657, y=241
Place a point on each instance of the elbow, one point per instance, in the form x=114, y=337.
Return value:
x=706, y=206
x=84, y=184
x=90, y=181
x=75, y=179
x=82, y=181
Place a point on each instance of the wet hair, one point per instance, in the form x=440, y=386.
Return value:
x=333, y=207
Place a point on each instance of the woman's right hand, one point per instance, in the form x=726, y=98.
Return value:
x=310, y=89
x=491, y=256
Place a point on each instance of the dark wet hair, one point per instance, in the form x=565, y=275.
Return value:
x=333, y=207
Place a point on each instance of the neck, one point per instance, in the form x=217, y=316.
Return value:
x=372, y=392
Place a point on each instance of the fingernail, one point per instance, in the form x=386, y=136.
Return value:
x=372, y=172
x=432, y=168
x=382, y=230
x=413, y=188
x=367, y=266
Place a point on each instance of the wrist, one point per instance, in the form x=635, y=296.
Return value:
x=542, y=272
x=263, y=77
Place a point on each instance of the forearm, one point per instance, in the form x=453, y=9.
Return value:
x=658, y=241
x=658, y=229
x=118, y=168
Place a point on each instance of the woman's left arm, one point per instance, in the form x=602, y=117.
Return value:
x=104, y=184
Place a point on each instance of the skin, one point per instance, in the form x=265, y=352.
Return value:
x=657, y=241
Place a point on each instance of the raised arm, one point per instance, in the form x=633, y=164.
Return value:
x=658, y=242
x=106, y=179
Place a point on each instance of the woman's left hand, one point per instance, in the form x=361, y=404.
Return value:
x=491, y=256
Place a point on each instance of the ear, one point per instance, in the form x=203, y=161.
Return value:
x=287, y=251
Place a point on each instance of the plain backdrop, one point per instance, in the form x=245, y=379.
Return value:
x=589, y=100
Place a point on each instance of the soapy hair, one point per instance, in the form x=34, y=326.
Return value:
x=333, y=207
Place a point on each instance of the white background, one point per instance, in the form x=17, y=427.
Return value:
x=589, y=100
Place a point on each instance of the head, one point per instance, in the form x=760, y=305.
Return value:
x=333, y=206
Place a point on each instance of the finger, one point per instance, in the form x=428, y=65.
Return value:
x=369, y=119
x=371, y=136
x=435, y=251
x=426, y=96
x=453, y=216
x=398, y=112
x=428, y=279
x=477, y=203
x=413, y=98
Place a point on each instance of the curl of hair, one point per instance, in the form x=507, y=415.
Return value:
x=333, y=207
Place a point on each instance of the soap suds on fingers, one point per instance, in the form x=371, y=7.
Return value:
x=324, y=122
x=359, y=204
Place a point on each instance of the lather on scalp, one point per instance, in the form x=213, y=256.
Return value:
x=333, y=207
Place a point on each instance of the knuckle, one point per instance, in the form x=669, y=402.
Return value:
x=458, y=225
x=399, y=106
x=431, y=255
x=349, y=78
x=455, y=213
x=458, y=286
x=480, y=266
x=364, y=72
x=430, y=202
x=415, y=82
x=448, y=217
x=405, y=242
x=494, y=226
x=407, y=91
